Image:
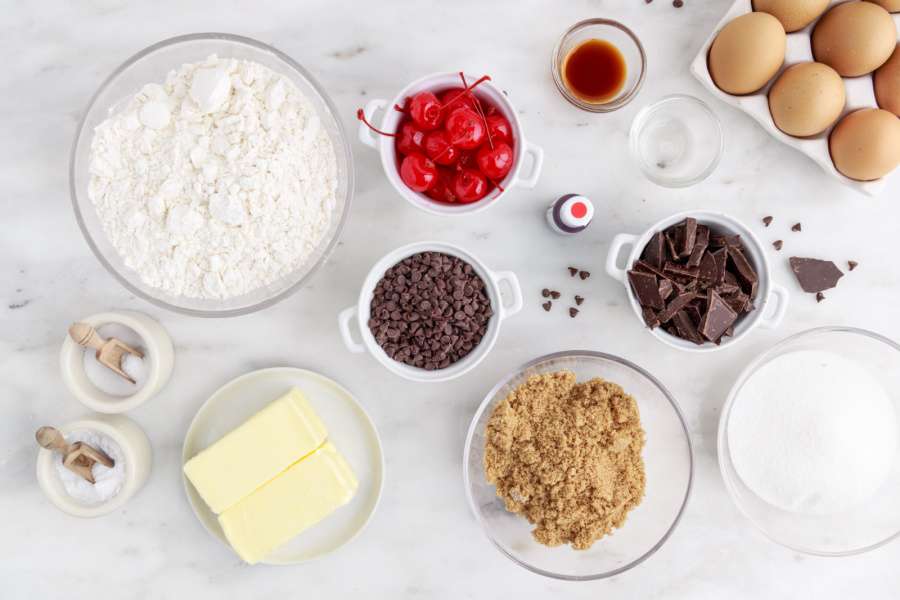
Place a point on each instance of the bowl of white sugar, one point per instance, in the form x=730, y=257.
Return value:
x=809, y=441
x=210, y=175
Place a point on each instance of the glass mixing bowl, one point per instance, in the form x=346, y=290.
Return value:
x=668, y=463
x=152, y=65
x=861, y=529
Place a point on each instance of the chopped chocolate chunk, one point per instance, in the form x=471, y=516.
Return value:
x=767, y=221
x=584, y=274
x=679, y=302
x=700, y=246
x=744, y=270
x=852, y=264
x=650, y=317
x=778, y=244
x=727, y=289
x=645, y=289
x=797, y=227
x=718, y=318
x=815, y=275
x=547, y=305
x=674, y=236
x=693, y=311
x=721, y=258
x=723, y=241
x=578, y=300
x=686, y=328
x=819, y=296
x=573, y=312
x=645, y=267
x=545, y=293
x=554, y=294
x=665, y=288
x=681, y=270
x=573, y=271
x=655, y=252
x=738, y=302
x=708, y=272
x=689, y=238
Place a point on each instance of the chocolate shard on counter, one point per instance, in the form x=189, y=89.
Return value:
x=646, y=290
x=700, y=246
x=686, y=328
x=675, y=306
x=655, y=251
x=815, y=275
x=718, y=318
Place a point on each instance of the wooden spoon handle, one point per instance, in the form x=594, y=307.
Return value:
x=51, y=439
x=85, y=335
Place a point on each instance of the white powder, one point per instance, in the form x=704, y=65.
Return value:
x=216, y=183
x=104, y=378
x=108, y=481
x=814, y=433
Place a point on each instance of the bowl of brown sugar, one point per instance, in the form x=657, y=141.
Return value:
x=578, y=465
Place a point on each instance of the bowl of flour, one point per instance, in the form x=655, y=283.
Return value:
x=809, y=441
x=210, y=175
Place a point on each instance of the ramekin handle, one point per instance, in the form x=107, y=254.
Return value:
x=781, y=296
x=366, y=135
x=615, y=248
x=537, y=164
x=515, y=289
x=344, y=319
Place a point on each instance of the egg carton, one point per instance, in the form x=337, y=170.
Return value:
x=860, y=94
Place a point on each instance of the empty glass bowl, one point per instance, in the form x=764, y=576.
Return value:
x=668, y=463
x=863, y=528
x=676, y=141
x=151, y=65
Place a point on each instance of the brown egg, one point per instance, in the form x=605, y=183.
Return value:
x=747, y=53
x=793, y=14
x=888, y=5
x=887, y=83
x=865, y=144
x=806, y=99
x=854, y=38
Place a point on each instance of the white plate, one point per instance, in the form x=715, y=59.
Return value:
x=349, y=427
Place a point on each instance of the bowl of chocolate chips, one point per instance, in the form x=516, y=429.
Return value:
x=698, y=281
x=430, y=311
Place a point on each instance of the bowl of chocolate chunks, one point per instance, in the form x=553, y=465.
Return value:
x=698, y=281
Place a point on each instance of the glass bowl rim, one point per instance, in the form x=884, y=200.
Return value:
x=575, y=354
x=721, y=433
x=342, y=138
x=616, y=103
x=639, y=122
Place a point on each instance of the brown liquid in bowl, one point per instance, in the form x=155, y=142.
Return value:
x=594, y=71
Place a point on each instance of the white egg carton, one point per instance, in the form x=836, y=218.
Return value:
x=860, y=94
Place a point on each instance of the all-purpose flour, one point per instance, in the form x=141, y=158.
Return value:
x=215, y=183
x=813, y=432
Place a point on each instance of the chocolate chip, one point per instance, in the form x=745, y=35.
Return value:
x=584, y=274
x=554, y=294
x=819, y=296
x=547, y=305
x=797, y=227
x=545, y=293
x=767, y=221
x=852, y=264
x=578, y=300
x=573, y=312
x=778, y=244
x=573, y=271
x=677, y=3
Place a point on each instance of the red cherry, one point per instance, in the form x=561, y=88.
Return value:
x=469, y=186
x=425, y=109
x=466, y=128
x=499, y=128
x=467, y=160
x=418, y=172
x=495, y=162
x=441, y=190
x=439, y=149
x=410, y=139
x=455, y=98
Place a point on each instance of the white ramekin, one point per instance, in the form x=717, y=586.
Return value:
x=768, y=293
x=493, y=282
x=390, y=121
x=158, y=349
x=135, y=448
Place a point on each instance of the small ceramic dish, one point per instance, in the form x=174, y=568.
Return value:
x=349, y=428
x=134, y=446
x=518, y=176
x=494, y=282
x=771, y=299
x=668, y=466
x=159, y=356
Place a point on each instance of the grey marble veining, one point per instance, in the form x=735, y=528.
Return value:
x=423, y=542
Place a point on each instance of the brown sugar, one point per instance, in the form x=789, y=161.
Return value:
x=567, y=456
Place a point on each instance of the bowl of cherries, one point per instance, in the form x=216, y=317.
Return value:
x=451, y=144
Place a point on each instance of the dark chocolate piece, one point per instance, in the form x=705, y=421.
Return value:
x=686, y=328
x=685, y=271
x=721, y=258
x=673, y=241
x=545, y=293
x=778, y=244
x=708, y=272
x=819, y=296
x=679, y=302
x=547, y=305
x=690, y=236
x=723, y=241
x=650, y=318
x=815, y=275
x=700, y=246
x=645, y=289
x=573, y=271
x=743, y=269
x=738, y=302
x=718, y=318
x=584, y=274
x=578, y=300
x=693, y=312
x=655, y=251
x=797, y=227
x=767, y=221
x=554, y=294
x=665, y=288
x=727, y=289
x=573, y=312
x=677, y=3
x=645, y=267
x=852, y=264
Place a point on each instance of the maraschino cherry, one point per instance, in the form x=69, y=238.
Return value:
x=495, y=162
x=410, y=139
x=418, y=172
x=469, y=186
x=465, y=128
x=439, y=149
x=426, y=111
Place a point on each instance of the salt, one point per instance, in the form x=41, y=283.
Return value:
x=104, y=378
x=813, y=433
x=108, y=481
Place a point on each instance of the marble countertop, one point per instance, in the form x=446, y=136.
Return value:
x=423, y=541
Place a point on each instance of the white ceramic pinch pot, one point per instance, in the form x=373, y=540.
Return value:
x=494, y=282
x=136, y=452
x=771, y=299
x=518, y=176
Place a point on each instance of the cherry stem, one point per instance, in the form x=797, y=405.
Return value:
x=361, y=115
x=477, y=103
x=466, y=89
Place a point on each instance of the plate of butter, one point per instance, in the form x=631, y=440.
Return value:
x=283, y=465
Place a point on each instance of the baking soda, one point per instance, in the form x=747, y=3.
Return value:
x=108, y=481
